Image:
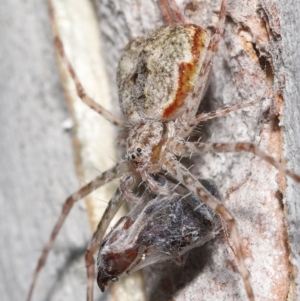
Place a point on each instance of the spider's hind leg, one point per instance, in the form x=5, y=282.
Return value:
x=79, y=87
x=171, y=12
x=185, y=148
x=190, y=182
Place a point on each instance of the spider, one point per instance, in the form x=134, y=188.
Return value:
x=160, y=124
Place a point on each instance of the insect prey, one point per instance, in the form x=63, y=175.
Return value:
x=166, y=227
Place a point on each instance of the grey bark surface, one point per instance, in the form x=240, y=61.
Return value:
x=37, y=168
x=290, y=22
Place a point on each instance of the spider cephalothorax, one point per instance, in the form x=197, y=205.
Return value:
x=144, y=145
x=158, y=81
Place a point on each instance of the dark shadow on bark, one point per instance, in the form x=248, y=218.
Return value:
x=74, y=255
x=170, y=278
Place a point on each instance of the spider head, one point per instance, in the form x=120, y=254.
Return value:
x=135, y=155
x=144, y=145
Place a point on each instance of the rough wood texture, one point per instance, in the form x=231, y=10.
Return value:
x=37, y=170
x=249, y=65
x=290, y=21
x=94, y=137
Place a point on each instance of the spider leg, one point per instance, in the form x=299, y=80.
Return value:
x=213, y=44
x=155, y=186
x=102, y=179
x=110, y=211
x=79, y=88
x=217, y=35
x=171, y=12
x=185, y=148
x=188, y=127
x=190, y=182
x=124, y=183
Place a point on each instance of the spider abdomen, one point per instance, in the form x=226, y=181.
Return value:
x=157, y=74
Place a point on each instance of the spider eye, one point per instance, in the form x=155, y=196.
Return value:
x=139, y=150
x=132, y=156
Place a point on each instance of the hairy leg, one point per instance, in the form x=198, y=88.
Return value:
x=186, y=128
x=101, y=180
x=126, y=185
x=213, y=44
x=79, y=88
x=189, y=181
x=185, y=149
x=171, y=12
x=155, y=186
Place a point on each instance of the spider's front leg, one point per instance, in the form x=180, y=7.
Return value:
x=185, y=148
x=99, y=181
x=125, y=186
x=189, y=181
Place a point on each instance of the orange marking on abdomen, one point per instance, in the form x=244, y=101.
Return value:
x=187, y=72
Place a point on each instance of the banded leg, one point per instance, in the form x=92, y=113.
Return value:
x=158, y=185
x=171, y=12
x=126, y=186
x=113, y=206
x=187, y=128
x=190, y=182
x=213, y=44
x=185, y=149
x=155, y=186
x=102, y=179
x=79, y=88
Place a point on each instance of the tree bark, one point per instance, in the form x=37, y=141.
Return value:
x=257, y=58
x=36, y=162
x=258, y=54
